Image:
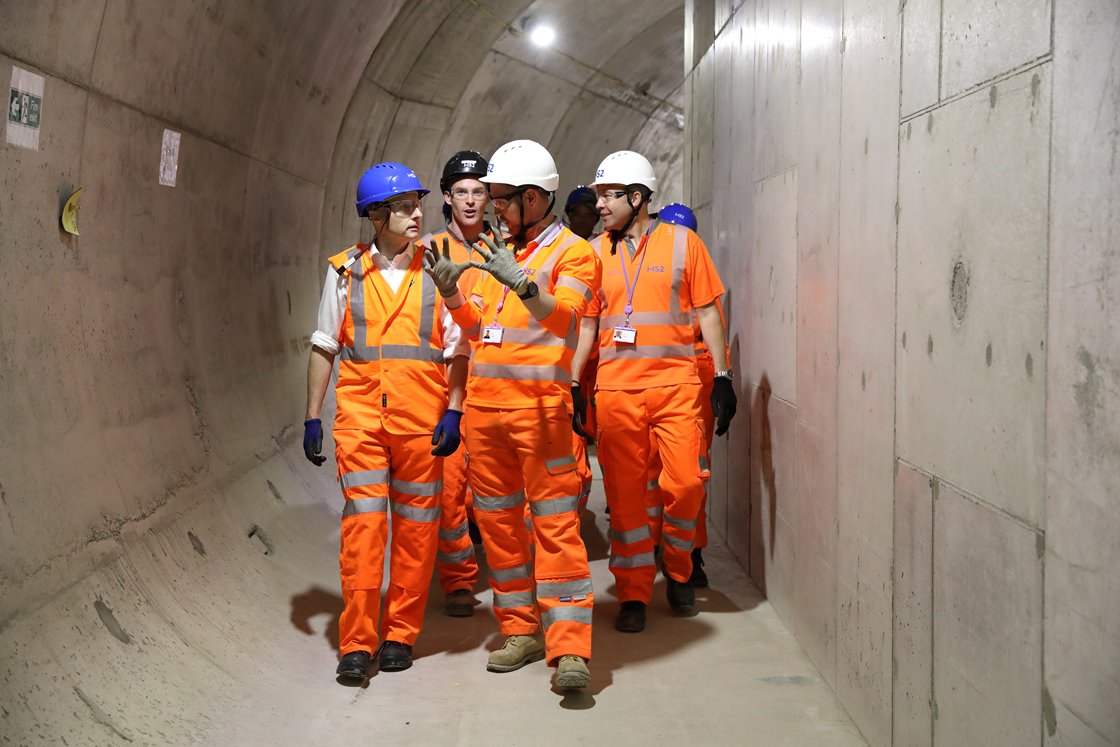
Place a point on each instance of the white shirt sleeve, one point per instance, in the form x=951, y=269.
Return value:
x=455, y=343
x=332, y=308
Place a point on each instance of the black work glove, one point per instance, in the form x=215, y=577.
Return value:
x=723, y=403
x=579, y=411
x=313, y=441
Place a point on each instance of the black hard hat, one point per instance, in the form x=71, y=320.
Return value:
x=463, y=164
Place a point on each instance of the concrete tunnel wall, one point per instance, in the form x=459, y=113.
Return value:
x=916, y=206
x=152, y=369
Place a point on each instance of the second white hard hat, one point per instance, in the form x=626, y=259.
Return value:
x=523, y=163
x=625, y=167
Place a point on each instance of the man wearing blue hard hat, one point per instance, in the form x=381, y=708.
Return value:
x=382, y=316
x=581, y=213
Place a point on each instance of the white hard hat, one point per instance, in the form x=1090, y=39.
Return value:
x=523, y=163
x=625, y=167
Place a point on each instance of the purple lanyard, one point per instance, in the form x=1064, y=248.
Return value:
x=626, y=276
x=547, y=239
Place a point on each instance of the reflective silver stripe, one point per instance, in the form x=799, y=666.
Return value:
x=641, y=560
x=545, y=270
x=528, y=524
x=629, y=538
x=427, y=306
x=680, y=254
x=639, y=318
x=505, y=575
x=551, y=507
x=631, y=352
x=567, y=281
x=513, y=599
x=423, y=489
x=541, y=337
x=557, y=589
x=461, y=556
x=679, y=544
x=521, y=373
x=375, y=505
x=652, y=485
x=681, y=524
x=473, y=331
x=415, y=513
x=565, y=614
x=703, y=462
x=498, y=502
x=360, y=354
x=411, y=353
x=450, y=535
x=364, y=478
x=655, y=511
x=559, y=462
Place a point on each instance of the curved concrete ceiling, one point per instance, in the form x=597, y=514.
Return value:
x=153, y=368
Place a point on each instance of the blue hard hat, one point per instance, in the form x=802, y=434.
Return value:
x=384, y=181
x=586, y=195
x=678, y=214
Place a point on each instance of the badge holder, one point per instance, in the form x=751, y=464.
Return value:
x=624, y=333
x=492, y=334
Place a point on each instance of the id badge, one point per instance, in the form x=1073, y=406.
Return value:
x=625, y=334
x=492, y=334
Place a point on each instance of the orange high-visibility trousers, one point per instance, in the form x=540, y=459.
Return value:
x=382, y=473
x=627, y=421
x=526, y=455
x=455, y=561
x=654, y=501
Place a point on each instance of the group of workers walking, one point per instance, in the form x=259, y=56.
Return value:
x=475, y=364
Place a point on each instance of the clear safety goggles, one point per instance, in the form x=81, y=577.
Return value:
x=478, y=193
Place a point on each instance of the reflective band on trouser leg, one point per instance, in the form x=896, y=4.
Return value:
x=363, y=465
x=674, y=416
x=415, y=501
x=624, y=454
x=455, y=559
x=500, y=510
x=542, y=440
x=654, y=502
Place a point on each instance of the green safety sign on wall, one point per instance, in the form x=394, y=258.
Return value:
x=25, y=109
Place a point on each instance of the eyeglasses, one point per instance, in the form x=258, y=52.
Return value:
x=610, y=194
x=501, y=203
x=403, y=207
x=462, y=194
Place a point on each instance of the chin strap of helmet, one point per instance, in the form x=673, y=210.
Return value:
x=620, y=234
x=525, y=229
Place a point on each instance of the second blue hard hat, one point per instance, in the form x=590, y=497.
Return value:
x=383, y=181
x=678, y=214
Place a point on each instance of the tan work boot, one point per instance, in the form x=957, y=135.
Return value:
x=518, y=651
x=572, y=673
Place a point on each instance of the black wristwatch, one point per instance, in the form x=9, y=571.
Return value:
x=531, y=291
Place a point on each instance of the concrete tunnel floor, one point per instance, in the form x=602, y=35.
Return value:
x=195, y=635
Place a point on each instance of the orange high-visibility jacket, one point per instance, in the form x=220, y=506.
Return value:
x=676, y=276
x=391, y=367
x=531, y=367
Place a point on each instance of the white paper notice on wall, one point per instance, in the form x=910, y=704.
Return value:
x=169, y=158
x=25, y=109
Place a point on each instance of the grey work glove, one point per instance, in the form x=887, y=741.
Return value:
x=500, y=262
x=444, y=271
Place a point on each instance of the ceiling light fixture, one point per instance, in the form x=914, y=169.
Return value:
x=542, y=36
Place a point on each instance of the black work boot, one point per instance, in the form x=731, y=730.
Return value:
x=681, y=596
x=472, y=530
x=698, y=579
x=354, y=665
x=395, y=657
x=631, y=617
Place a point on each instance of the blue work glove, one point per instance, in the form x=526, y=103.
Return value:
x=724, y=402
x=313, y=441
x=446, y=437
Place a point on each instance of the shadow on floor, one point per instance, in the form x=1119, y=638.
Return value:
x=317, y=601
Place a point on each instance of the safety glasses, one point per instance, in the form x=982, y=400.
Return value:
x=404, y=207
x=503, y=202
x=608, y=195
x=460, y=194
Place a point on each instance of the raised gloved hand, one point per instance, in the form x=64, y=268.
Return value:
x=446, y=436
x=579, y=414
x=500, y=262
x=444, y=271
x=723, y=403
x=313, y=441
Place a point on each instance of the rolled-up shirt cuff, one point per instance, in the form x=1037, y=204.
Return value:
x=326, y=342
